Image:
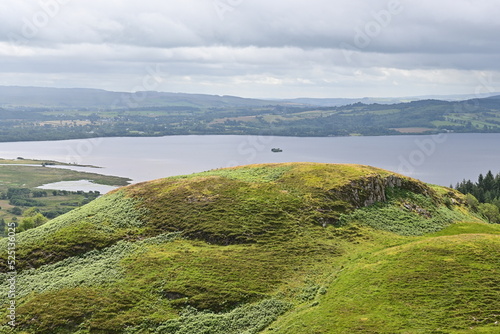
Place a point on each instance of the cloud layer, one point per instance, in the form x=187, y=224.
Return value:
x=292, y=48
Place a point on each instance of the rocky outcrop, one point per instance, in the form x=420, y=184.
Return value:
x=372, y=189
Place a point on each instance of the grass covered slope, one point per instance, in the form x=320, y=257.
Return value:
x=445, y=284
x=278, y=248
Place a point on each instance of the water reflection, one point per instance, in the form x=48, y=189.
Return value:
x=83, y=185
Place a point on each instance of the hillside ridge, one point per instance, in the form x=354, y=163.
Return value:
x=259, y=248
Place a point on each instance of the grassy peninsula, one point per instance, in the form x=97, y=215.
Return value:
x=30, y=174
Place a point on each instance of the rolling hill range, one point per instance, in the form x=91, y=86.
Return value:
x=85, y=98
x=98, y=99
x=35, y=113
x=272, y=248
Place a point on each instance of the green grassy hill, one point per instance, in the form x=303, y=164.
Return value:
x=274, y=248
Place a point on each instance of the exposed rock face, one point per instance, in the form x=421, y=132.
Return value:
x=367, y=191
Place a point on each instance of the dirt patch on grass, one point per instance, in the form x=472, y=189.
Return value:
x=412, y=130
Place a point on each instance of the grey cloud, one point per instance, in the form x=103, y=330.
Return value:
x=419, y=25
x=278, y=44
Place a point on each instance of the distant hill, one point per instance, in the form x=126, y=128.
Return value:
x=31, y=113
x=14, y=96
x=96, y=98
x=338, y=102
x=275, y=248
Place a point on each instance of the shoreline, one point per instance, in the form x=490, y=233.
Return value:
x=39, y=162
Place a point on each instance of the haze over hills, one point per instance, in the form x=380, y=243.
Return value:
x=337, y=102
x=14, y=96
x=275, y=248
x=97, y=98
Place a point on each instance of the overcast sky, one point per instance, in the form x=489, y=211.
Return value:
x=254, y=48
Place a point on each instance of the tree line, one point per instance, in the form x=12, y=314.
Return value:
x=483, y=196
x=30, y=212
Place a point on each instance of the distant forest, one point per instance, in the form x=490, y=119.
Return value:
x=233, y=116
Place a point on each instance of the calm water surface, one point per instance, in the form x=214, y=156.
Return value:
x=443, y=159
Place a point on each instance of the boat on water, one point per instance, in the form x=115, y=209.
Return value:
x=276, y=150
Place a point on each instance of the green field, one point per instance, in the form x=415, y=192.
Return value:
x=13, y=175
